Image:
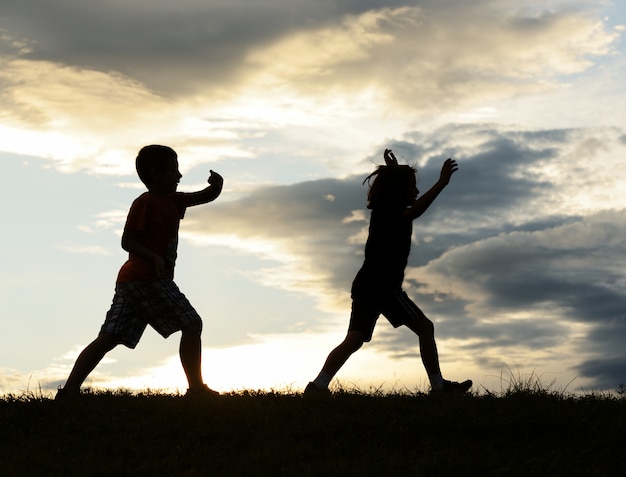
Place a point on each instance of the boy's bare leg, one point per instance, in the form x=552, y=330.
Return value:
x=87, y=360
x=191, y=355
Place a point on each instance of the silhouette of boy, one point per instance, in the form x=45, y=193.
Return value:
x=145, y=292
x=377, y=288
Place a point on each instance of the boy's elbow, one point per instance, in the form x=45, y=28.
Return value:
x=218, y=189
x=126, y=241
x=214, y=193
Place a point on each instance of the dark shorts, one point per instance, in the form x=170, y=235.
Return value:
x=159, y=304
x=397, y=307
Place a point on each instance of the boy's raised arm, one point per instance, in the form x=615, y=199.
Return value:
x=422, y=203
x=208, y=194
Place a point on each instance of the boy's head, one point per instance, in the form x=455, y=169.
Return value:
x=151, y=158
x=392, y=186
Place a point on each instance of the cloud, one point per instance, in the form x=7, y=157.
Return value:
x=171, y=47
x=573, y=270
x=82, y=249
x=424, y=51
x=296, y=228
x=226, y=78
x=499, y=262
x=428, y=57
x=607, y=373
x=522, y=250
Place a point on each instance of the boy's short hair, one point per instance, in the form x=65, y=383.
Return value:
x=389, y=185
x=153, y=157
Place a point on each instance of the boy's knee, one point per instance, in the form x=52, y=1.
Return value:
x=107, y=341
x=195, y=327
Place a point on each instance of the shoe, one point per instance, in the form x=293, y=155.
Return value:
x=204, y=391
x=312, y=390
x=452, y=387
x=65, y=395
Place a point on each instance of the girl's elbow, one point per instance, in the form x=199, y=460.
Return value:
x=415, y=213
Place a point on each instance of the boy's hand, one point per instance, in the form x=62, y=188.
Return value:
x=159, y=266
x=449, y=168
x=215, y=179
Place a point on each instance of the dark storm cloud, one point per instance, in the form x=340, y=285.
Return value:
x=605, y=344
x=606, y=373
x=154, y=45
x=491, y=179
x=493, y=183
x=178, y=48
x=559, y=277
x=166, y=45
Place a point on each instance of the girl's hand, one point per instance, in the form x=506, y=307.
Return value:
x=390, y=159
x=449, y=167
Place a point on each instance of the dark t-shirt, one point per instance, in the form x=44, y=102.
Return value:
x=157, y=220
x=386, y=252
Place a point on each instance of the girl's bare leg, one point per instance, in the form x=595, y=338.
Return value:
x=428, y=347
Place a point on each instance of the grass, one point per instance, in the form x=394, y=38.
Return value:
x=524, y=430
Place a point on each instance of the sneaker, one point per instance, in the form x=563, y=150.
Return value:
x=453, y=387
x=312, y=390
x=204, y=391
x=64, y=395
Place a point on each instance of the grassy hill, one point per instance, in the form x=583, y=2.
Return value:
x=519, y=432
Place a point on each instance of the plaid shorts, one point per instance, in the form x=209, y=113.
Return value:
x=397, y=307
x=136, y=304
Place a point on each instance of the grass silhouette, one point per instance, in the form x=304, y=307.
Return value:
x=524, y=429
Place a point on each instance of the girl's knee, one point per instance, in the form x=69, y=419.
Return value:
x=354, y=341
x=356, y=346
x=424, y=328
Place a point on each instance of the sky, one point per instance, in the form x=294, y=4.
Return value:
x=520, y=262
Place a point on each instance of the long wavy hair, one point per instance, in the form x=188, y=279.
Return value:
x=388, y=184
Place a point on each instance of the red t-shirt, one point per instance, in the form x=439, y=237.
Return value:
x=156, y=218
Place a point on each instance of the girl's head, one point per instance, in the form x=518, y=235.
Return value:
x=391, y=186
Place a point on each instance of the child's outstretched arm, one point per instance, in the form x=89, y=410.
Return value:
x=208, y=194
x=422, y=203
